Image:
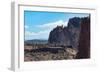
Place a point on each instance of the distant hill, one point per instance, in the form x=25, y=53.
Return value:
x=36, y=41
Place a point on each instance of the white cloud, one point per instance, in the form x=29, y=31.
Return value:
x=38, y=35
x=26, y=26
x=34, y=33
x=50, y=26
x=44, y=30
x=27, y=33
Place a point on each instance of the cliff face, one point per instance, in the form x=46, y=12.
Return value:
x=58, y=36
x=74, y=30
x=66, y=35
x=84, y=39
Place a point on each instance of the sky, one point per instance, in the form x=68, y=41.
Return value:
x=38, y=24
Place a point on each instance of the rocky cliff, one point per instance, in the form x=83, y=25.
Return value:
x=84, y=39
x=74, y=30
x=59, y=35
x=66, y=35
x=76, y=34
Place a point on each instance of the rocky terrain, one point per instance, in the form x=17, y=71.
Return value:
x=43, y=54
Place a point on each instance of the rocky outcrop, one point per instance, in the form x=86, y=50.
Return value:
x=66, y=35
x=59, y=35
x=74, y=30
x=84, y=39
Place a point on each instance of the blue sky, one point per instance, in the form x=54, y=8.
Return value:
x=39, y=24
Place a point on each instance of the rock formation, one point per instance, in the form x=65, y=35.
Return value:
x=66, y=35
x=59, y=36
x=74, y=30
x=84, y=39
x=76, y=34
